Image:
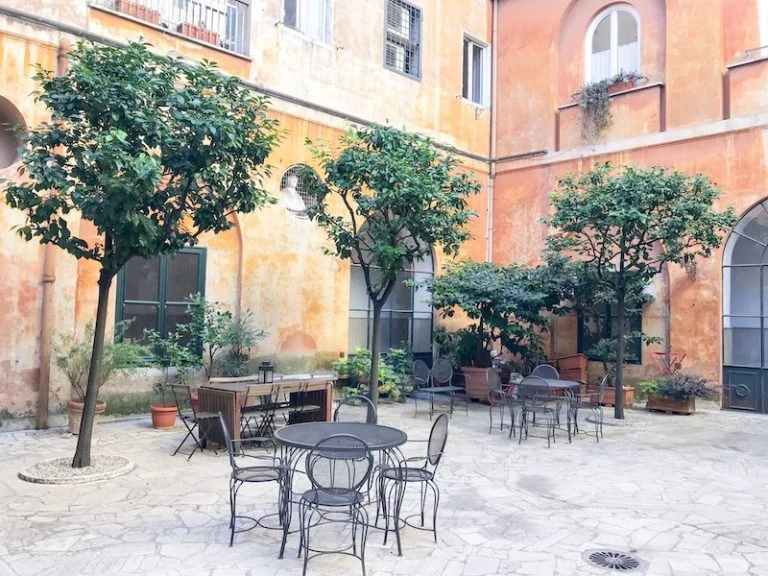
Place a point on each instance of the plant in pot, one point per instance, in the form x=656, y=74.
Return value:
x=176, y=358
x=506, y=305
x=73, y=357
x=677, y=392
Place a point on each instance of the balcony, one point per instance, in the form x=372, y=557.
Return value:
x=220, y=23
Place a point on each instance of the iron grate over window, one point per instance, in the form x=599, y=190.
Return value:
x=295, y=189
x=402, y=47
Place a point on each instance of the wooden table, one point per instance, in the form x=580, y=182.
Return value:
x=226, y=395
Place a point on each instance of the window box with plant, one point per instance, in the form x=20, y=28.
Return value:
x=676, y=392
x=593, y=99
x=199, y=32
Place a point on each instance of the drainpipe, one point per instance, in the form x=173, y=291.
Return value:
x=49, y=279
x=666, y=305
x=492, y=133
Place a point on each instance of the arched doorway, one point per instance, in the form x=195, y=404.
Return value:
x=745, y=313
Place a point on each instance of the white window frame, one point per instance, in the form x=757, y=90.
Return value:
x=611, y=12
x=301, y=24
x=401, y=42
x=485, y=81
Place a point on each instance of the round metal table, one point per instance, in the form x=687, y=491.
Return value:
x=554, y=384
x=304, y=436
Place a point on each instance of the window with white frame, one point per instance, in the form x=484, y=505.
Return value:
x=311, y=17
x=613, y=44
x=402, y=45
x=475, y=69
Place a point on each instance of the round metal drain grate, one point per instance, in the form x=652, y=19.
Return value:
x=618, y=561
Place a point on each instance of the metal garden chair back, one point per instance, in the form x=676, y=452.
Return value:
x=303, y=409
x=537, y=400
x=257, y=413
x=421, y=374
x=355, y=409
x=192, y=419
x=546, y=371
x=442, y=372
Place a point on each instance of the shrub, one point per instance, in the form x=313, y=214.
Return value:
x=394, y=373
x=679, y=386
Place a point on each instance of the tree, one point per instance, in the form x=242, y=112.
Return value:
x=152, y=152
x=626, y=224
x=394, y=197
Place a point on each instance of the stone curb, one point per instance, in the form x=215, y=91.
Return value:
x=56, y=471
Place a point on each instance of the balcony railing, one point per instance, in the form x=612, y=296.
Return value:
x=222, y=23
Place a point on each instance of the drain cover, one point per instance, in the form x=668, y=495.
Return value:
x=613, y=560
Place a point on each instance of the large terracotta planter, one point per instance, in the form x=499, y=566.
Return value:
x=671, y=405
x=163, y=415
x=75, y=410
x=573, y=367
x=475, y=383
x=610, y=396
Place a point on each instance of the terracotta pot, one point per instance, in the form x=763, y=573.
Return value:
x=574, y=361
x=163, y=415
x=671, y=405
x=610, y=396
x=475, y=383
x=75, y=410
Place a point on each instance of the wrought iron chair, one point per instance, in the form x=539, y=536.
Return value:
x=393, y=481
x=593, y=403
x=302, y=408
x=355, y=409
x=441, y=382
x=546, y=371
x=257, y=412
x=337, y=467
x=192, y=419
x=421, y=380
x=251, y=468
x=536, y=396
x=501, y=399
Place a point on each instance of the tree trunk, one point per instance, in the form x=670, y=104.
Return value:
x=618, y=410
x=373, y=385
x=82, y=457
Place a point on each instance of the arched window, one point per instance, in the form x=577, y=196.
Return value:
x=12, y=126
x=294, y=189
x=613, y=44
x=407, y=315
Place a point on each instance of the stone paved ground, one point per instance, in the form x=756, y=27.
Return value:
x=689, y=495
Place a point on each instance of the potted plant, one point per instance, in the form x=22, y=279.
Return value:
x=73, y=357
x=175, y=358
x=593, y=99
x=676, y=392
x=394, y=373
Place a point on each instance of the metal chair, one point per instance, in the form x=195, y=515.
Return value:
x=337, y=467
x=355, y=409
x=421, y=379
x=302, y=408
x=441, y=378
x=257, y=412
x=501, y=399
x=546, y=371
x=191, y=418
x=536, y=396
x=250, y=468
x=592, y=402
x=393, y=481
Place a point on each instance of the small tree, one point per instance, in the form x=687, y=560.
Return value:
x=626, y=224
x=152, y=152
x=395, y=196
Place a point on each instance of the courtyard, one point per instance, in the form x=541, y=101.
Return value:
x=685, y=495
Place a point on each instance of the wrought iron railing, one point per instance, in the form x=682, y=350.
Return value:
x=222, y=23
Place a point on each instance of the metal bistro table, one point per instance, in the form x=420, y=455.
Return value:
x=554, y=384
x=296, y=440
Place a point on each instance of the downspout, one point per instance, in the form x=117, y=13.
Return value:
x=666, y=305
x=49, y=279
x=492, y=133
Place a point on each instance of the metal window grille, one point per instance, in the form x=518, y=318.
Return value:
x=402, y=47
x=306, y=177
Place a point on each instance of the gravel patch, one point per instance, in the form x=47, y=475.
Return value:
x=60, y=471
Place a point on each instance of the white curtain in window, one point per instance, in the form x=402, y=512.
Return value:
x=315, y=19
x=601, y=65
x=629, y=57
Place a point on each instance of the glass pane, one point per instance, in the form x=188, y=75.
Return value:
x=755, y=224
x=358, y=333
x=289, y=14
x=422, y=335
x=422, y=299
x=142, y=279
x=743, y=291
x=742, y=250
x=425, y=265
x=741, y=341
x=477, y=74
x=385, y=331
x=400, y=330
x=358, y=296
x=401, y=296
x=465, y=71
x=141, y=317
x=601, y=39
x=182, y=278
x=627, y=33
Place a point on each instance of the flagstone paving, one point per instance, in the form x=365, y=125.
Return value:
x=688, y=495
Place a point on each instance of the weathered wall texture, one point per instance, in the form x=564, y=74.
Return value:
x=271, y=262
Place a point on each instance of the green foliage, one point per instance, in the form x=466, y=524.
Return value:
x=224, y=339
x=679, y=386
x=72, y=355
x=622, y=226
x=594, y=104
x=506, y=304
x=389, y=196
x=173, y=357
x=394, y=373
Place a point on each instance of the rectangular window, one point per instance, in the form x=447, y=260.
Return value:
x=475, y=73
x=313, y=18
x=153, y=293
x=402, y=45
x=604, y=325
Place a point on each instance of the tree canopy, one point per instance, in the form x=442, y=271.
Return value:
x=153, y=152
x=388, y=197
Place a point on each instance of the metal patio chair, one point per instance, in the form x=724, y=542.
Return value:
x=546, y=371
x=588, y=402
x=191, y=418
x=355, y=408
x=421, y=379
x=441, y=382
x=501, y=400
x=537, y=400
